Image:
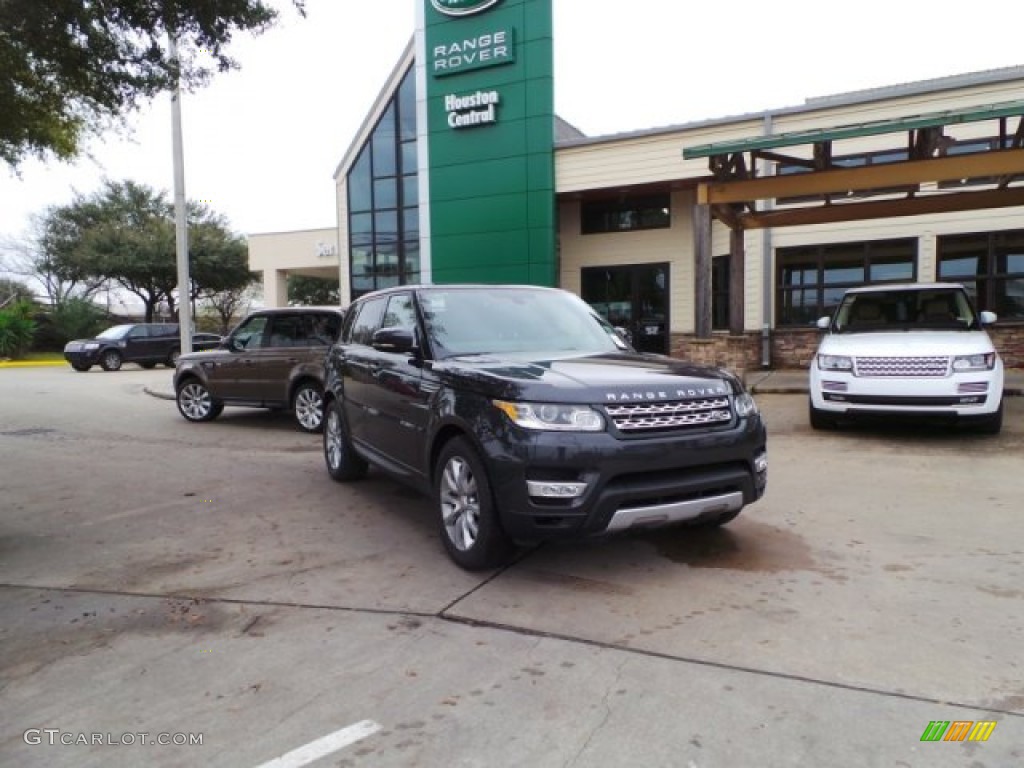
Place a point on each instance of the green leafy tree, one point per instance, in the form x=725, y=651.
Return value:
x=125, y=234
x=306, y=291
x=69, y=68
x=76, y=319
x=16, y=329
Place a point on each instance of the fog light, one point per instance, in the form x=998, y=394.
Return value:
x=548, y=490
x=761, y=463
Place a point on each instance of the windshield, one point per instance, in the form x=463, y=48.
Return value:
x=943, y=309
x=117, y=332
x=471, y=321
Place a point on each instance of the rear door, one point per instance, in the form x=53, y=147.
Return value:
x=287, y=349
x=360, y=365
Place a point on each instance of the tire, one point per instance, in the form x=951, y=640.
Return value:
x=308, y=407
x=343, y=464
x=819, y=419
x=467, y=513
x=993, y=425
x=81, y=367
x=196, y=403
x=147, y=366
x=172, y=359
x=110, y=360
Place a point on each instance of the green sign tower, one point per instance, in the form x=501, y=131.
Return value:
x=486, y=69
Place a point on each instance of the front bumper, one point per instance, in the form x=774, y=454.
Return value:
x=959, y=395
x=648, y=481
x=81, y=356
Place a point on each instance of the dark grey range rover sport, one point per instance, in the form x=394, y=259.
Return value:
x=527, y=417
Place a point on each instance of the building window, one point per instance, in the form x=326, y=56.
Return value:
x=627, y=213
x=990, y=265
x=720, y=293
x=383, y=200
x=812, y=279
x=858, y=160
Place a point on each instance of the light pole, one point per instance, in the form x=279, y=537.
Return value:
x=180, y=214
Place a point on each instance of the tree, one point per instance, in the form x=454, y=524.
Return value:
x=125, y=234
x=227, y=305
x=74, y=67
x=322, y=291
x=12, y=291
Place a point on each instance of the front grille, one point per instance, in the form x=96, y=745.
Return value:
x=678, y=414
x=913, y=367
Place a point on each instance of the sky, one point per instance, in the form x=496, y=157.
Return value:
x=261, y=143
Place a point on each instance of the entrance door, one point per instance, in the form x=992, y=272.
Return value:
x=633, y=297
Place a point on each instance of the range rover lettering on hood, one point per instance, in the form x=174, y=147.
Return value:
x=633, y=397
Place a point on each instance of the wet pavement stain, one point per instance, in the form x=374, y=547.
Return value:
x=750, y=547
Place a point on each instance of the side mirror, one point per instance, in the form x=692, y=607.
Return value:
x=823, y=323
x=624, y=333
x=987, y=318
x=397, y=341
x=234, y=344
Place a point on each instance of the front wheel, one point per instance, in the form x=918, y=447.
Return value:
x=196, y=403
x=110, y=360
x=81, y=367
x=470, y=529
x=992, y=425
x=343, y=463
x=308, y=406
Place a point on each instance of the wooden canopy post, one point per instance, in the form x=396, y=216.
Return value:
x=702, y=269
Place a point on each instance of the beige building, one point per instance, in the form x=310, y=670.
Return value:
x=307, y=252
x=628, y=208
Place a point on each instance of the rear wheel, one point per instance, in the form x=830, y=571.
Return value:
x=172, y=358
x=343, y=464
x=820, y=419
x=468, y=515
x=110, y=360
x=196, y=403
x=147, y=366
x=308, y=406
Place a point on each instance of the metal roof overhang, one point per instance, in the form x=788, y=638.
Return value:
x=898, y=187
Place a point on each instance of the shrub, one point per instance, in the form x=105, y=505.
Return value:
x=16, y=329
x=77, y=319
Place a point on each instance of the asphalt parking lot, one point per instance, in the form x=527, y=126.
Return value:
x=209, y=582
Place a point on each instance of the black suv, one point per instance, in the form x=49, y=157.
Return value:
x=144, y=343
x=528, y=417
x=273, y=359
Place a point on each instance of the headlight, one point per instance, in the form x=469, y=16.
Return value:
x=835, y=363
x=92, y=346
x=975, y=362
x=745, y=405
x=552, y=416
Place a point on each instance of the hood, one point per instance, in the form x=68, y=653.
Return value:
x=604, y=378
x=907, y=344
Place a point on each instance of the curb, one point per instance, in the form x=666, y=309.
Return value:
x=160, y=395
x=32, y=363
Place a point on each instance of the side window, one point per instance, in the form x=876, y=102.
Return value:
x=287, y=331
x=367, y=321
x=322, y=330
x=139, y=332
x=400, y=312
x=249, y=334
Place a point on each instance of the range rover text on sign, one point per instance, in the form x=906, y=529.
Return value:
x=486, y=50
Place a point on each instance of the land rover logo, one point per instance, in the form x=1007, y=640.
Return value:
x=462, y=7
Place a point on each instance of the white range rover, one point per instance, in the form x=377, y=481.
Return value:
x=916, y=349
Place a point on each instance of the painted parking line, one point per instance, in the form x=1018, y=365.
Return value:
x=324, y=746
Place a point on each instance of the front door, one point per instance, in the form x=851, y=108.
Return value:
x=634, y=297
